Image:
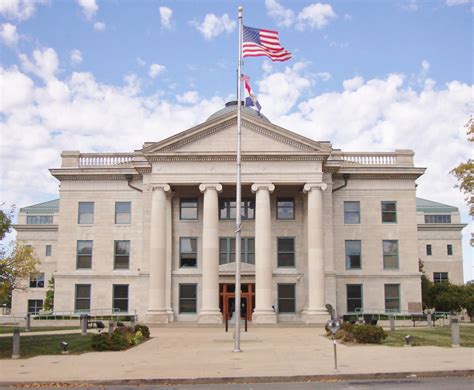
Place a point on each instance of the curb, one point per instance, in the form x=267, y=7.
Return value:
x=248, y=379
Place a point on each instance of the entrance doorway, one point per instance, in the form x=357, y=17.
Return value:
x=227, y=299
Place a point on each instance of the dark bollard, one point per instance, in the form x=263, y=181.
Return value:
x=246, y=323
x=111, y=327
x=28, y=322
x=226, y=323
x=16, y=343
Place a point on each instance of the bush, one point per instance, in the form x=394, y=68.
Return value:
x=119, y=340
x=101, y=342
x=138, y=338
x=368, y=334
x=143, y=329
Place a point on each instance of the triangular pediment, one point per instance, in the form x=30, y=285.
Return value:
x=220, y=136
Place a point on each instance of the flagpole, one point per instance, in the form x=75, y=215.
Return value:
x=238, y=201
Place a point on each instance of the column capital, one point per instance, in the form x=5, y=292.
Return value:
x=314, y=186
x=263, y=186
x=158, y=186
x=205, y=186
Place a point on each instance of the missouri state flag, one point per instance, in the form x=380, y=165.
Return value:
x=259, y=42
x=251, y=100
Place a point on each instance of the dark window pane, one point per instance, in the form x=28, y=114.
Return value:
x=187, y=298
x=351, y=212
x=354, y=297
x=389, y=212
x=428, y=250
x=189, y=208
x=286, y=260
x=353, y=254
x=285, y=209
x=86, y=213
x=286, y=298
x=83, y=294
x=120, y=294
x=35, y=305
x=84, y=247
x=450, y=249
x=285, y=245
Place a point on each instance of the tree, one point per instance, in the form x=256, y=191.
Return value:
x=48, y=304
x=464, y=172
x=468, y=300
x=426, y=285
x=16, y=266
x=5, y=221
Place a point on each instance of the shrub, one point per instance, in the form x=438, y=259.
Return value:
x=101, y=342
x=368, y=334
x=119, y=341
x=143, y=329
x=138, y=338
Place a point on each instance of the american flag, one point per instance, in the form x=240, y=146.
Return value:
x=259, y=42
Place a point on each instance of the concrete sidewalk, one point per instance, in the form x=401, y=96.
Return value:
x=185, y=353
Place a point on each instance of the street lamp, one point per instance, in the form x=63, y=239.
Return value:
x=64, y=345
x=333, y=326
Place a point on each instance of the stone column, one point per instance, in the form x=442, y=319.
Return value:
x=210, y=312
x=263, y=313
x=315, y=311
x=157, y=312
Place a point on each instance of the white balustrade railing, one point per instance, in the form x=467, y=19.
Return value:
x=104, y=159
x=370, y=158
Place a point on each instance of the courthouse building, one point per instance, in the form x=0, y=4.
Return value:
x=152, y=231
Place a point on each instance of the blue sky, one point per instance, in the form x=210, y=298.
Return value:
x=96, y=75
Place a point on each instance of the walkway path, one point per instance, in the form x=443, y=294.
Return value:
x=207, y=353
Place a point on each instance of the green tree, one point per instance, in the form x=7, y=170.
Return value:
x=468, y=300
x=5, y=221
x=426, y=285
x=48, y=304
x=464, y=172
x=17, y=264
x=445, y=297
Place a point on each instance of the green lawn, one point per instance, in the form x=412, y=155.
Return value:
x=9, y=329
x=46, y=345
x=437, y=336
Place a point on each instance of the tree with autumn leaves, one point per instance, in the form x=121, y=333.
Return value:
x=17, y=261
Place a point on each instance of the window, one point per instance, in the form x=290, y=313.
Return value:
x=39, y=220
x=351, y=212
x=440, y=277
x=49, y=250
x=123, y=213
x=390, y=254
x=392, y=297
x=286, y=298
x=286, y=252
x=121, y=254
x=120, y=297
x=187, y=252
x=227, y=250
x=227, y=209
x=187, y=298
x=188, y=209
x=37, y=280
x=35, y=305
x=354, y=297
x=428, y=250
x=353, y=256
x=86, y=213
x=389, y=212
x=449, y=249
x=437, y=218
x=84, y=254
x=285, y=208
x=83, y=297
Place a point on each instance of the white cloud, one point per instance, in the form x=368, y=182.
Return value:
x=8, y=34
x=45, y=63
x=283, y=16
x=425, y=65
x=99, y=26
x=89, y=7
x=324, y=76
x=165, y=15
x=19, y=9
x=410, y=5
x=353, y=84
x=141, y=61
x=155, y=70
x=17, y=89
x=214, y=25
x=451, y=3
x=190, y=97
x=316, y=15
x=76, y=57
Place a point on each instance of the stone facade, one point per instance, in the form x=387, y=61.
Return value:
x=299, y=193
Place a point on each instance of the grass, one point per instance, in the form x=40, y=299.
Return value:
x=46, y=345
x=437, y=336
x=9, y=329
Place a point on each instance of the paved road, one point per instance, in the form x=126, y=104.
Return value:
x=463, y=383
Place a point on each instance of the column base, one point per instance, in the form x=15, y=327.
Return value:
x=210, y=317
x=157, y=317
x=315, y=316
x=264, y=317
